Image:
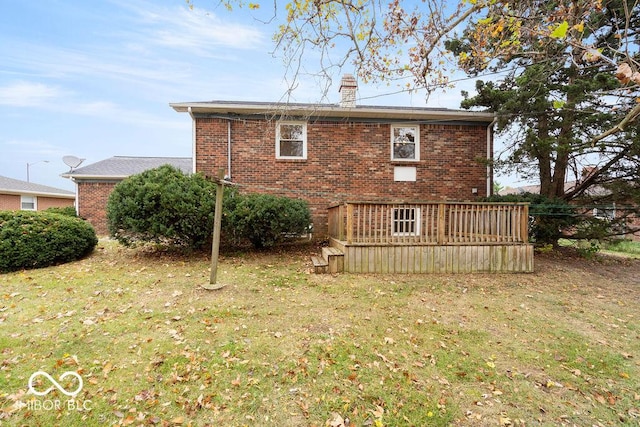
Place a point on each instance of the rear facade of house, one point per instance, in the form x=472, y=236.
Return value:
x=331, y=154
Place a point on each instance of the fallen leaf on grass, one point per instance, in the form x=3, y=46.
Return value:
x=335, y=421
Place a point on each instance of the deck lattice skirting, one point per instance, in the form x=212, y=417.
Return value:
x=442, y=237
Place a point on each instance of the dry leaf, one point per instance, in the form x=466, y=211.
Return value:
x=624, y=73
x=108, y=367
x=336, y=421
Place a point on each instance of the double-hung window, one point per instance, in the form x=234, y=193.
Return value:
x=405, y=142
x=28, y=203
x=406, y=221
x=291, y=140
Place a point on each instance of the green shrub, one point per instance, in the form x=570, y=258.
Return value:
x=266, y=220
x=67, y=210
x=162, y=205
x=548, y=217
x=40, y=239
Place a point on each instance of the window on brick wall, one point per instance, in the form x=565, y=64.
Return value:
x=405, y=142
x=291, y=140
x=406, y=221
x=605, y=213
x=28, y=203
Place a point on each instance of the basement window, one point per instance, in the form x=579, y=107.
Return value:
x=405, y=142
x=406, y=221
x=28, y=203
x=291, y=140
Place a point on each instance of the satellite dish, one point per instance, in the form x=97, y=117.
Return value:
x=72, y=161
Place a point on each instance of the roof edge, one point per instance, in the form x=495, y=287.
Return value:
x=330, y=110
x=37, y=193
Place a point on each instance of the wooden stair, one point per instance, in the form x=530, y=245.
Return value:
x=331, y=261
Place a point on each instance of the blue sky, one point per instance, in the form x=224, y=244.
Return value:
x=94, y=79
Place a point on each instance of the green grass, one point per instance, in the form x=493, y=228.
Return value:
x=625, y=246
x=588, y=249
x=281, y=346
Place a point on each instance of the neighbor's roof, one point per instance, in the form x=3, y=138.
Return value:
x=596, y=190
x=18, y=187
x=120, y=167
x=331, y=111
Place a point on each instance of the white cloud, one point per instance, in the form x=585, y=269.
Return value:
x=29, y=94
x=201, y=32
x=196, y=31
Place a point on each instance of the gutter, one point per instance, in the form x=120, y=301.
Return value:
x=328, y=110
x=36, y=193
x=489, y=154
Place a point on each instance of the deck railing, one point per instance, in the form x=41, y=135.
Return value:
x=437, y=223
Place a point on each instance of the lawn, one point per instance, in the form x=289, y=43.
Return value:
x=280, y=346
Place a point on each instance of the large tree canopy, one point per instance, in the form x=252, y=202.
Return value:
x=564, y=74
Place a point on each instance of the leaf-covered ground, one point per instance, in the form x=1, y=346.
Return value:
x=280, y=346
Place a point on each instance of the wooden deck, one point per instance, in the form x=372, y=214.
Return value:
x=442, y=237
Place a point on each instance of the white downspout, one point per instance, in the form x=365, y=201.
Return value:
x=193, y=140
x=489, y=155
x=77, y=201
x=229, y=149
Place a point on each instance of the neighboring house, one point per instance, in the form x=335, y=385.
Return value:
x=595, y=202
x=329, y=154
x=95, y=182
x=22, y=195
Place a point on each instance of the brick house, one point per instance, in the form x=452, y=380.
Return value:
x=22, y=195
x=95, y=182
x=333, y=153
x=598, y=202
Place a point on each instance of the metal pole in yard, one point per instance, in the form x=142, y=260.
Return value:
x=217, y=222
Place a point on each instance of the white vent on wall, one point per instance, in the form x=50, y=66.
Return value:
x=404, y=173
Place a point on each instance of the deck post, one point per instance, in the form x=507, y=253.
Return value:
x=340, y=221
x=524, y=224
x=349, y=223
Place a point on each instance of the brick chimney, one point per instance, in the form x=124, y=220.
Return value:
x=348, y=88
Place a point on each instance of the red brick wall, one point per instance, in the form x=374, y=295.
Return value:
x=346, y=162
x=92, y=204
x=53, y=202
x=9, y=202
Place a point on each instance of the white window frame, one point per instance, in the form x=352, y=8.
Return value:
x=416, y=142
x=606, y=213
x=304, y=140
x=412, y=223
x=33, y=200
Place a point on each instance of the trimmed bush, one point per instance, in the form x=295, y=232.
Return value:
x=162, y=205
x=165, y=206
x=40, y=239
x=67, y=210
x=266, y=220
